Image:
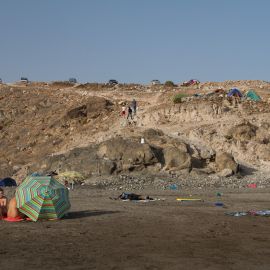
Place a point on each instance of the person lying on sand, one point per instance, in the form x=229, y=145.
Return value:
x=133, y=197
x=3, y=204
x=13, y=211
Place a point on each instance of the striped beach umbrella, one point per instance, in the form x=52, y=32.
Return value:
x=42, y=197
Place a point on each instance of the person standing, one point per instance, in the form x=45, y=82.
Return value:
x=134, y=106
x=129, y=113
x=123, y=112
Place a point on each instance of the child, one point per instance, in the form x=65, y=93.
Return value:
x=3, y=204
x=123, y=112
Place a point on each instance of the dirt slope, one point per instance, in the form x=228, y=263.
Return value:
x=41, y=119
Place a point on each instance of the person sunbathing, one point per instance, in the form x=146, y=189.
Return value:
x=13, y=211
x=133, y=197
x=3, y=204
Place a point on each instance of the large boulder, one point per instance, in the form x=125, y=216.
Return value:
x=176, y=159
x=92, y=109
x=226, y=173
x=207, y=153
x=82, y=160
x=226, y=161
x=128, y=154
x=179, y=145
x=153, y=133
x=262, y=134
x=154, y=136
x=263, y=152
x=242, y=132
x=157, y=138
x=112, y=156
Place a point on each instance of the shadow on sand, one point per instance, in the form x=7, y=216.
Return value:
x=88, y=213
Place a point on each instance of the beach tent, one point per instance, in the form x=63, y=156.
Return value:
x=8, y=182
x=42, y=197
x=251, y=94
x=234, y=92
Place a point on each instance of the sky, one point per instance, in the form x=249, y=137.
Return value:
x=134, y=40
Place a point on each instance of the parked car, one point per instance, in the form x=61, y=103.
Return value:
x=24, y=80
x=191, y=82
x=72, y=80
x=112, y=82
x=155, y=82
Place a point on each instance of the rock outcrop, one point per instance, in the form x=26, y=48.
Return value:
x=242, y=132
x=66, y=127
x=176, y=159
x=92, y=109
x=225, y=161
x=129, y=155
x=119, y=155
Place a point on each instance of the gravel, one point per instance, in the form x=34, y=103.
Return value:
x=167, y=182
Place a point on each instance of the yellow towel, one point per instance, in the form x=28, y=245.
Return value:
x=188, y=199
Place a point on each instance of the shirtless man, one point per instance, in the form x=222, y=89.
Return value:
x=13, y=211
x=3, y=204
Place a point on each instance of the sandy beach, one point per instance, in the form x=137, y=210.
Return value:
x=100, y=233
x=167, y=102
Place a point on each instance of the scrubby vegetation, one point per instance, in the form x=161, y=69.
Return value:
x=62, y=83
x=178, y=97
x=169, y=84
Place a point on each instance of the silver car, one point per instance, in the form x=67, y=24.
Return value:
x=155, y=82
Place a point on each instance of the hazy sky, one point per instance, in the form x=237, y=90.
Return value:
x=134, y=40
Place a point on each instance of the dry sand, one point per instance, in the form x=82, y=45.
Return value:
x=101, y=233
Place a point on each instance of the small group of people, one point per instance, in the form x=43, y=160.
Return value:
x=129, y=111
x=8, y=209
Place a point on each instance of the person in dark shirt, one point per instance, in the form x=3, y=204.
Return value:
x=134, y=106
x=129, y=113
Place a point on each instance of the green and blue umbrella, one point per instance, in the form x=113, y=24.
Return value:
x=42, y=197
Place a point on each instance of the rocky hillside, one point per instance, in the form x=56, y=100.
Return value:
x=66, y=127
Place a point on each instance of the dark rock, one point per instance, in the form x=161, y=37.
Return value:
x=130, y=155
x=149, y=133
x=92, y=109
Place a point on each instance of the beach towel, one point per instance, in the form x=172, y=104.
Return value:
x=16, y=219
x=188, y=200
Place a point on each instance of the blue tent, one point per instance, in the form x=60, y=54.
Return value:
x=8, y=182
x=234, y=92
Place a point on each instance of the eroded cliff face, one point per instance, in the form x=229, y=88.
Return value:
x=43, y=123
x=219, y=124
